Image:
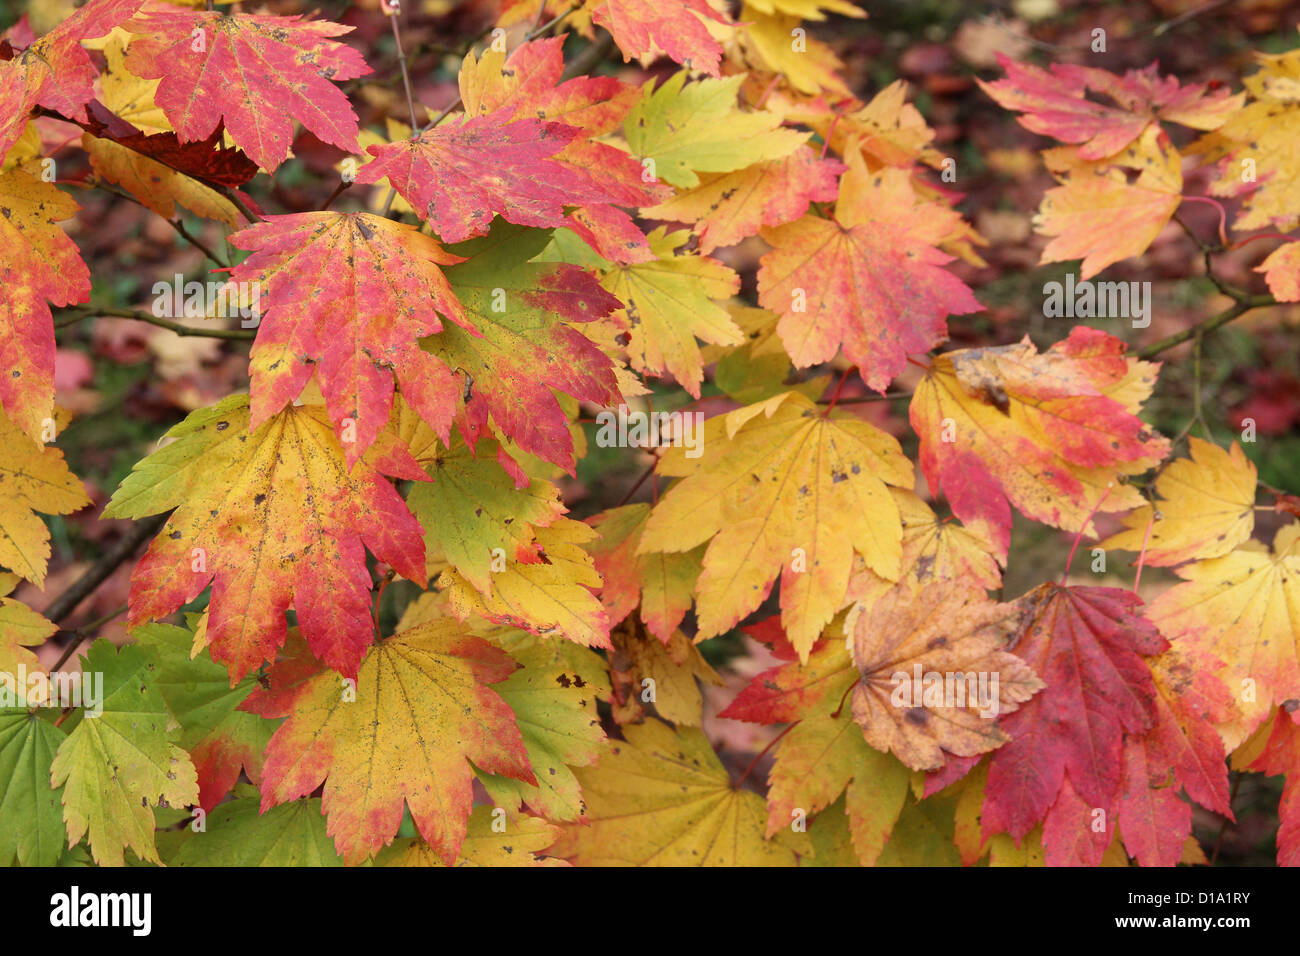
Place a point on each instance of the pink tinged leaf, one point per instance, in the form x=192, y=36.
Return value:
x=253, y=72
x=458, y=176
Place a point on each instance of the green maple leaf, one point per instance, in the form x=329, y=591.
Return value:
x=31, y=825
x=236, y=834
x=115, y=767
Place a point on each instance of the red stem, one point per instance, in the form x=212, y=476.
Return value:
x=1142, y=555
x=1075, y=547
x=835, y=397
x=772, y=743
x=1223, y=215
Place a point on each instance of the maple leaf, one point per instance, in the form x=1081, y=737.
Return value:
x=675, y=28
x=764, y=44
x=824, y=754
x=486, y=844
x=530, y=81
x=349, y=295
x=33, y=478
x=671, y=667
x=20, y=628
x=550, y=596
x=238, y=834
x=728, y=207
x=1262, y=131
x=251, y=72
x=887, y=131
x=27, y=747
x=667, y=303
x=870, y=280
x=158, y=187
x=945, y=629
x=525, y=313
x=421, y=714
x=769, y=477
x=1048, y=433
x=1182, y=749
x=553, y=697
x=472, y=511
x=271, y=519
x=1054, y=103
x=662, y=798
x=41, y=263
x=222, y=740
x=1084, y=643
x=1098, y=215
x=686, y=129
x=54, y=71
x=114, y=767
x=1282, y=272
x=657, y=582
x=1281, y=755
x=460, y=173
x=1242, y=609
x=934, y=549
x=1207, y=508
x=135, y=147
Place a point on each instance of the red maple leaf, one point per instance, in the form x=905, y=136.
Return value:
x=1282, y=755
x=1055, y=103
x=54, y=71
x=871, y=279
x=349, y=296
x=1087, y=644
x=253, y=72
x=458, y=175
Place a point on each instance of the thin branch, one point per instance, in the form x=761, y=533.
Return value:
x=587, y=60
x=338, y=190
x=1236, y=311
x=864, y=399
x=393, y=9
x=176, y=224
x=80, y=633
x=86, y=311
x=234, y=200
x=98, y=573
x=184, y=234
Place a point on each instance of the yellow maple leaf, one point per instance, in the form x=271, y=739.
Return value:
x=782, y=488
x=664, y=799
x=419, y=713
x=549, y=595
x=668, y=302
x=1097, y=215
x=21, y=628
x=764, y=42
x=1207, y=508
x=934, y=549
x=1260, y=137
x=32, y=478
x=1244, y=609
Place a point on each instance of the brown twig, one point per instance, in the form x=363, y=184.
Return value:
x=81, y=632
x=1236, y=311
x=393, y=9
x=86, y=311
x=98, y=573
